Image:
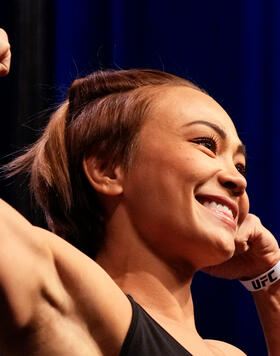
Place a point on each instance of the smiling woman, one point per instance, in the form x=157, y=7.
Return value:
x=194, y=162
x=144, y=173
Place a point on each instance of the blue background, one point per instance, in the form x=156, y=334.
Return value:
x=229, y=47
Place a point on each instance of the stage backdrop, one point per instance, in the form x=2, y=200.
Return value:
x=230, y=48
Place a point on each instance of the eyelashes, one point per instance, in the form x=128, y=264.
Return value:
x=242, y=169
x=211, y=143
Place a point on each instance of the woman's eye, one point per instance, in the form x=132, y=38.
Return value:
x=241, y=169
x=207, y=142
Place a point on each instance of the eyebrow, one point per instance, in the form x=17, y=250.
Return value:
x=240, y=149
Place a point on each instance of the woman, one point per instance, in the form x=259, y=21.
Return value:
x=144, y=172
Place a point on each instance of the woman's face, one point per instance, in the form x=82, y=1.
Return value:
x=185, y=193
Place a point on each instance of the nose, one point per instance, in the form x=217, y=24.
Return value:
x=233, y=182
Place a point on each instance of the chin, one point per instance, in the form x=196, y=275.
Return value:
x=213, y=261
x=224, y=253
x=220, y=251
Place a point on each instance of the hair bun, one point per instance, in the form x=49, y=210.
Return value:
x=103, y=83
x=96, y=86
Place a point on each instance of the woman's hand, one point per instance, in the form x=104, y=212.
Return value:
x=256, y=252
x=5, y=53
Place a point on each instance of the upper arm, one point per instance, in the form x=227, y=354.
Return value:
x=40, y=271
x=26, y=267
x=97, y=300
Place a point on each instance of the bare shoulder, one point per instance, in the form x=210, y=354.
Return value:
x=95, y=299
x=61, y=289
x=86, y=282
x=221, y=348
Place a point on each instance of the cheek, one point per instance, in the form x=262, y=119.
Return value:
x=161, y=192
x=165, y=175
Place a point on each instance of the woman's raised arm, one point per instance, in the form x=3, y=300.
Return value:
x=27, y=272
x=53, y=298
x=50, y=292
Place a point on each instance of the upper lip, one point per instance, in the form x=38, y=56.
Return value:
x=219, y=200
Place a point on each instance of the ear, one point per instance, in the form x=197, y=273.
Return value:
x=107, y=181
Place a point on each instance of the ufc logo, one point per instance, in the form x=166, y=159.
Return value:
x=262, y=281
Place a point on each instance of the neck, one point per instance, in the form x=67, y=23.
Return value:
x=156, y=284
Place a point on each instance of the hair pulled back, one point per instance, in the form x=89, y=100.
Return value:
x=101, y=117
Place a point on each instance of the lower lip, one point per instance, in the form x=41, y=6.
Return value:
x=224, y=218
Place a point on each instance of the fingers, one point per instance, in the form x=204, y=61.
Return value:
x=245, y=233
x=261, y=244
x=248, y=229
x=5, y=53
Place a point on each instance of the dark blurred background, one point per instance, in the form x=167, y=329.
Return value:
x=230, y=48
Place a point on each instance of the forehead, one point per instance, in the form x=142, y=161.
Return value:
x=174, y=107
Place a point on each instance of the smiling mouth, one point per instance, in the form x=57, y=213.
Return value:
x=221, y=207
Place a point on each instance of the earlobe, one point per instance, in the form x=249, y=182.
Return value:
x=107, y=181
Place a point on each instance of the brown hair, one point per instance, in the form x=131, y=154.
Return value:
x=101, y=117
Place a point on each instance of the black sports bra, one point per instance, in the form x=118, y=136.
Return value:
x=145, y=337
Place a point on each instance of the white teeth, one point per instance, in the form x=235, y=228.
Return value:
x=214, y=205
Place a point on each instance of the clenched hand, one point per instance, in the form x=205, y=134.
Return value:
x=5, y=53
